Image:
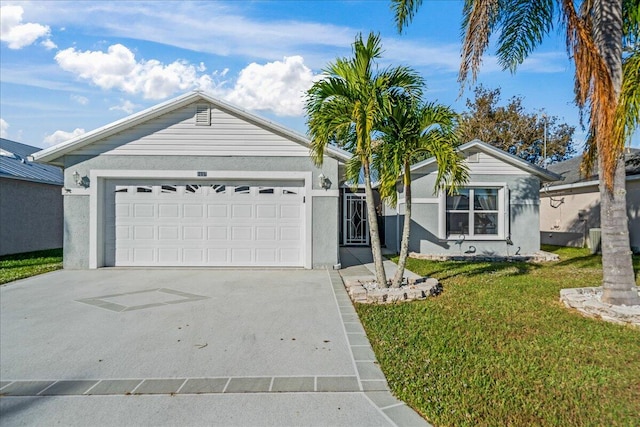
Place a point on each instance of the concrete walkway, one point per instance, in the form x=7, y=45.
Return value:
x=357, y=263
x=189, y=347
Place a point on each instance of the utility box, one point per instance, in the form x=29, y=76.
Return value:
x=595, y=235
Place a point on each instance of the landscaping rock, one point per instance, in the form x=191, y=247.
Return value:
x=540, y=256
x=367, y=291
x=588, y=301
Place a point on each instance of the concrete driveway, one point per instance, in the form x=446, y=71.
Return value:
x=188, y=347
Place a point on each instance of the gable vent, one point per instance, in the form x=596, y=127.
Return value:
x=203, y=115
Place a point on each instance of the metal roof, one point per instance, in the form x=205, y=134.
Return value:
x=14, y=163
x=570, y=169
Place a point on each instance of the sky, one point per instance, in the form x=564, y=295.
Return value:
x=68, y=67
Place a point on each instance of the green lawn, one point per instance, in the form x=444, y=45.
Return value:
x=498, y=348
x=20, y=266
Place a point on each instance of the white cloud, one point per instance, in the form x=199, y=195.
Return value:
x=82, y=100
x=4, y=128
x=18, y=35
x=119, y=69
x=126, y=106
x=277, y=86
x=188, y=25
x=61, y=136
x=48, y=44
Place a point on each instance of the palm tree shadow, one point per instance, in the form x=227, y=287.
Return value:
x=443, y=270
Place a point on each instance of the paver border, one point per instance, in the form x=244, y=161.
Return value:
x=371, y=378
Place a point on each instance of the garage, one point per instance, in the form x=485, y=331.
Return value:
x=197, y=182
x=212, y=223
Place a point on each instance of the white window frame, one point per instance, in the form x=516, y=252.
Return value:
x=503, y=213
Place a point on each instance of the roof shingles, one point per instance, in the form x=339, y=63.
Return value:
x=570, y=169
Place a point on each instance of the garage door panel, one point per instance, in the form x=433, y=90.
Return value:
x=168, y=210
x=123, y=256
x=266, y=233
x=193, y=211
x=208, y=225
x=122, y=211
x=192, y=255
x=143, y=210
x=241, y=233
x=266, y=211
x=217, y=211
x=123, y=232
x=241, y=211
x=217, y=256
x=267, y=255
x=217, y=233
x=169, y=255
x=290, y=233
x=241, y=256
x=143, y=255
x=168, y=233
x=143, y=232
x=290, y=211
x=192, y=233
x=289, y=255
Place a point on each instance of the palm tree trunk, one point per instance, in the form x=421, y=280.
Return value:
x=617, y=269
x=406, y=228
x=619, y=285
x=372, y=218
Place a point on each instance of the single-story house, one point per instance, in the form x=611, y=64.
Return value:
x=494, y=214
x=569, y=208
x=30, y=201
x=195, y=181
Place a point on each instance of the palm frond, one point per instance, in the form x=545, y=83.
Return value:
x=404, y=11
x=352, y=170
x=595, y=91
x=479, y=19
x=628, y=112
x=524, y=24
x=631, y=21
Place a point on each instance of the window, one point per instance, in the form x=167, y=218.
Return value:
x=474, y=212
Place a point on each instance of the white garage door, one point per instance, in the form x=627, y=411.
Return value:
x=212, y=224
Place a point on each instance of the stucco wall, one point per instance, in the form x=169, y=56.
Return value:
x=30, y=216
x=424, y=238
x=561, y=223
x=325, y=206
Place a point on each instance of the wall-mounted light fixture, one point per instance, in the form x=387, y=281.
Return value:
x=78, y=179
x=324, y=182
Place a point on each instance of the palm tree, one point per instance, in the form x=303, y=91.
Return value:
x=596, y=34
x=345, y=108
x=414, y=131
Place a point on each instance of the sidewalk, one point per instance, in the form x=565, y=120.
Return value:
x=357, y=263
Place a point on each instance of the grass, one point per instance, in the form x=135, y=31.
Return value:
x=498, y=348
x=21, y=266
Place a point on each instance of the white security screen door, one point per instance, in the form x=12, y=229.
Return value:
x=205, y=224
x=355, y=226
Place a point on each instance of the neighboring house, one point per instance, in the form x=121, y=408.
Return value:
x=494, y=214
x=30, y=201
x=571, y=207
x=195, y=181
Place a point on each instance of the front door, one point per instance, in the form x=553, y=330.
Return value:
x=355, y=226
